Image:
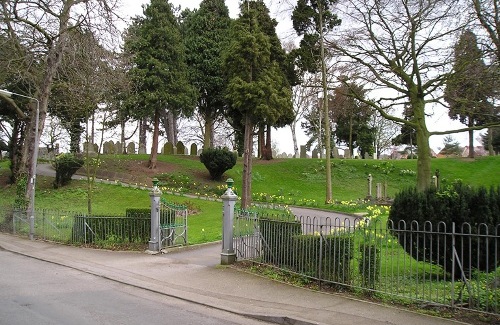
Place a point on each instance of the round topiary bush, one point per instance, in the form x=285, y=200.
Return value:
x=66, y=165
x=217, y=161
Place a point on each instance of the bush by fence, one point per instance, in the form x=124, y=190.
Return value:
x=92, y=229
x=325, y=257
x=277, y=235
x=476, y=210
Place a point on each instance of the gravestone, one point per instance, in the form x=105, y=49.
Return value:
x=367, y=155
x=180, y=148
x=108, y=148
x=314, y=153
x=379, y=191
x=142, y=149
x=168, y=148
x=131, y=148
x=118, y=147
x=194, y=149
x=88, y=147
x=347, y=154
x=336, y=152
x=303, y=152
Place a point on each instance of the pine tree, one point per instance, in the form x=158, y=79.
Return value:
x=206, y=34
x=258, y=91
x=159, y=73
x=469, y=88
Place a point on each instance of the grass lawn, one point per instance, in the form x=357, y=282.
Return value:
x=282, y=181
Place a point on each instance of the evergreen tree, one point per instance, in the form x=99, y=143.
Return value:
x=352, y=118
x=468, y=90
x=159, y=74
x=494, y=138
x=258, y=91
x=206, y=34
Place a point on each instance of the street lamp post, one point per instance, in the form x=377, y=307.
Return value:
x=31, y=209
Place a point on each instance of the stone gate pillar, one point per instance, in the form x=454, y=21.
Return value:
x=154, y=241
x=228, y=256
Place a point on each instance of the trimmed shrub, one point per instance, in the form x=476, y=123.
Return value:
x=138, y=213
x=66, y=165
x=325, y=257
x=118, y=228
x=217, y=161
x=277, y=239
x=475, y=212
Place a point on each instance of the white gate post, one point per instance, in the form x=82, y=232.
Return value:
x=228, y=256
x=154, y=241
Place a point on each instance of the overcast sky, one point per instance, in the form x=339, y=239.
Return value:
x=439, y=121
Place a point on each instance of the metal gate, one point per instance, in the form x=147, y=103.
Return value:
x=173, y=224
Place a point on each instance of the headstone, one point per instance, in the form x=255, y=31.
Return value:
x=142, y=149
x=180, y=148
x=131, y=148
x=347, y=154
x=108, y=148
x=290, y=155
x=118, y=147
x=194, y=149
x=367, y=155
x=370, y=179
x=314, y=153
x=335, y=152
x=88, y=147
x=303, y=152
x=168, y=148
x=379, y=191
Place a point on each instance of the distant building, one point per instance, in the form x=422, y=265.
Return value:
x=479, y=151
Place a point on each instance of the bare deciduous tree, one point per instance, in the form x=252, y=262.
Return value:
x=404, y=51
x=39, y=32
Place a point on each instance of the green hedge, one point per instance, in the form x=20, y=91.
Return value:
x=111, y=228
x=332, y=252
x=475, y=212
x=277, y=235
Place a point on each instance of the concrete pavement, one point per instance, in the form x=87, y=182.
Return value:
x=194, y=274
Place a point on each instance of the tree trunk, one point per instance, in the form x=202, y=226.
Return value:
x=471, y=144
x=267, y=153
x=424, y=150
x=351, y=150
x=143, y=128
x=171, y=128
x=153, y=158
x=491, y=152
x=246, y=191
x=296, y=153
x=122, y=137
x=329, y=194
x=261, y=144
x=209, y=130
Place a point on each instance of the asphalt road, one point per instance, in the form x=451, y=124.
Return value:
x=37, y=292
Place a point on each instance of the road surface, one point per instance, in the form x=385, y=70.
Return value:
x=37, y=292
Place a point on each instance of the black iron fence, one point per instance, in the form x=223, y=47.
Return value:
x=439, y=264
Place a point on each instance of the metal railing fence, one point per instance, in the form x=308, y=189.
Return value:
x=438, y=264
x=77, y=228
